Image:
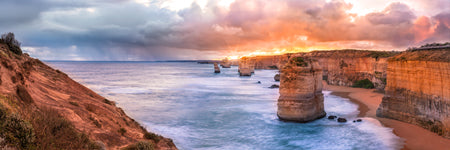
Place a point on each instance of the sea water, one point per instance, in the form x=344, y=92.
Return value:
x=200, y=109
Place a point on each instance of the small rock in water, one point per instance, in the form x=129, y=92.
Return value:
x=358, y=120
x=342, y=120
x=259, y=82
x=274, y=86
x=332, y=117
x=277, y=77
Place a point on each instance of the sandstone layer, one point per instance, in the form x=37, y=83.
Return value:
x=340, y=67
x=34, y=91
x=301, y=98
x=418, y=90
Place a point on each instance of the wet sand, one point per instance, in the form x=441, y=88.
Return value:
x=416, y=138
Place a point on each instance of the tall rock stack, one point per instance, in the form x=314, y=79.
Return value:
x=225, y=63
x=216, y=68
x=301, y=98
x=246, y=66
x=418, y=90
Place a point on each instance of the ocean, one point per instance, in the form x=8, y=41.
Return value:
x=199, y=109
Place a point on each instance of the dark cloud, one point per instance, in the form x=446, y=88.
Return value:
x=126, y=30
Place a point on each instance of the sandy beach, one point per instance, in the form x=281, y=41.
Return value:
x=416, y=138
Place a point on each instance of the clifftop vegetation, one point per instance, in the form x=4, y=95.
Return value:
x=10, y=40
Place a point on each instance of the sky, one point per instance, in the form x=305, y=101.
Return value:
x=147, y=30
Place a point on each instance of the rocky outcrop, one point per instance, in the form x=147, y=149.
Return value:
x=276, y=77
x=225, y=63
x=301, y=98
x=61, y=113
x=216, y=68
x=418, y=89
x=246, y=66
x=340, y=67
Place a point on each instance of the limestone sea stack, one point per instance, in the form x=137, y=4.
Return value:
x=301, y=98
x=225, y=63
x=216, y=68
x=246, y=66
x=418, y=89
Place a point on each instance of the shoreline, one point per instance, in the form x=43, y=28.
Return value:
x=415, y=137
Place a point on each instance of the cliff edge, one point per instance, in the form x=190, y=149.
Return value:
x=418, y=89
x=43, y=108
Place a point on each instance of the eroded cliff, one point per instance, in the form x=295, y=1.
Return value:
x=60, y=113
x=246, y=66
x=418, y=89
x=340, y=67
x=301, y=98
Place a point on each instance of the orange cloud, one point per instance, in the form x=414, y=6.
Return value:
x=422, y=28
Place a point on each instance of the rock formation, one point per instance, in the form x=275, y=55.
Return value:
x=301, y=98
x=216, y=68
x=418, y=89
x=276, y=77
x=340, y=67
x=246, y=66
x=61, y=113
x=225, y=63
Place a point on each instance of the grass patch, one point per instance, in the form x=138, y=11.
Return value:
x=152, y=136
x=55, y=132
x=96, y=123
x=366, y=83
x=16, y=131
x=381, y=54
x=141, y=145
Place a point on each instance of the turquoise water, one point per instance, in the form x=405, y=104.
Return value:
x=202, y=110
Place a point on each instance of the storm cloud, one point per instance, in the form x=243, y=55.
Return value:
x=155, y=30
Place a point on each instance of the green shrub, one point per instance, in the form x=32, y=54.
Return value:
x=366, y=83
x=122, y=131
x=141, y=145
x=10, y=40
x=299, y=61
x=342, y=64
x=108, y=102
x=152, y=136
x=55, y=132
x=96, y=123
x=16, y=131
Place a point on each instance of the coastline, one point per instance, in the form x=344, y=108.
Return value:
x=416, y=138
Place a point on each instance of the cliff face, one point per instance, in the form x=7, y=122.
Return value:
x=340, y=67
x=30, y=89
x=301, y=98
x=418, y=90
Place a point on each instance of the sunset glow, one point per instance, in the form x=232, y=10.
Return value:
x=207, y=29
